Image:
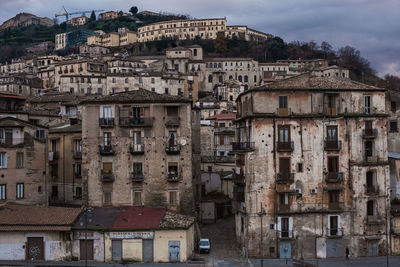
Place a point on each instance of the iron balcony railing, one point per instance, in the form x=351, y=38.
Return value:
x=137, y=176
x=136, y=149
x=285, y=178
x=173, y=177
x=372, y=190
x=135, y=122
x=333, y=145
x=77, y=155
x=172, y=122
x=285, y=146
x=243, y=146
x=8, y=142
x=106, y=122
x=334, y=232
x=172, y=149
x=370, y=133
x=107, y=176
x=334, y=177
x=285, y=234
x=107, y=150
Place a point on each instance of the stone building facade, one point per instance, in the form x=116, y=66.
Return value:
x=312, y=161
x=125, y=136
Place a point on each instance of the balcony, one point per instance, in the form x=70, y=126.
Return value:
x=135, y=122
x=107, y=176
x=285, y=146
x=285, y=234
x=173, y=177
x=333, y=145
x=137, y=176
x=334, y=232
x=331, y=112
x=106, y=122
x=107, y=150
x=136, y=149
x=12, y=142
x=335, y=206
x=54, y=156
x=172, y=122
x=172, y=149
x=283, y=111
x=370, y=133
x=242, y=146
x=77, y=155
x=333, y=177
x=285, y=178
x=372, y=190
x=371, y=159
x=77, y=175
x=374, y=219
x=283, y=208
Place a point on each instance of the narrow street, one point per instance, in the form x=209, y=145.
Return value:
x=223, y=243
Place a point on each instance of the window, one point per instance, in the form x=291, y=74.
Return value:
x=3, y=160
x=173, y=198
x=107, y=198
x=20, y=191
x=39, y=134
x=54, y=145
x=172, y=139
x=137, y=198
x=54, y=191
x=368, y=148
x=3, y=192
x=20, y=160
x=393, y=126
x=284, y=167
x=107, y=138
x=283, y=101
x=333, y=225
x=180, y=92
x=152, y=80
x=231, y=98
x=78, y=192
x=368, y=126
x=332, y=135
x=108, y=112
x=333, y=197
x=126, y=80
x=333, y=164
x=284, y=227
x=240, y=78
x=166, y=91
x=255, y=78
x=210, y=78
x=393, y=106
x=371, y=208
x=172, y=111
x=138, y=168
x=220, y=79
x=78, y=145
x=299, y=167
x=284, y=133
x=246, y=79
x=367, y=104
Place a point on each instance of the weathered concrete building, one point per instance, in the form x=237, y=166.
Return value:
x=313, y=179
x=125, y=135
x=64, y=182
x=22, y=161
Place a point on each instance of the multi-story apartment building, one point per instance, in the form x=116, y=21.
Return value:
x=312, y=173
x=78, y=21
x=125, y=135
x=245, y=33
x=64, y=182
x=182, y=29
x=74, y=39
x=22, y=161
x=21, y=84
x=83, y=84
x=109, y=15
x=113, y=39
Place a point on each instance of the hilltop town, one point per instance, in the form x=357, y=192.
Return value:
x=111, y=151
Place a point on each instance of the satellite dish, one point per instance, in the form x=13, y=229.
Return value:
x=183, y=142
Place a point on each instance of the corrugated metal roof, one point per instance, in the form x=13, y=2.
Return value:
x=393, y=155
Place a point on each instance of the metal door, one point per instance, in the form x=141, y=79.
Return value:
x=334, y=248
x=116, y=250
x=285, y=251
x=86, y=249
x=372, y=249
x=174, y=251
x=35, y=248
x=147, y=248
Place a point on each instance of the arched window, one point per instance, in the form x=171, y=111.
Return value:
x=230, y=77
x=220, y=79
x=246, y=79
x=219, y=65
x=215, y=65
x=240, y=78
x=246, y=87
x=210, y=78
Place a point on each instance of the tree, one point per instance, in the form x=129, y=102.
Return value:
x=392, y=82
x=220, y=44
x=133, y=10
x=350, y=58
x=92, y=17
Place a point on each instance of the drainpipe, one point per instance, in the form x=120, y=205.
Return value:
x=63, y=166
x=275, y=205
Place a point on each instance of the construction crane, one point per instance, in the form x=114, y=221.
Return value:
x=67, y=14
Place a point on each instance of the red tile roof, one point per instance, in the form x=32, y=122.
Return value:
x=139, y=218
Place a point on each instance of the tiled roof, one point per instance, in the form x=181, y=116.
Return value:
x=98, y=218
x=136, y=96
x=53, y=97
x=309, y=82
x=139, y=218
x=174, y=220
x=28, y=216
x=66, y=128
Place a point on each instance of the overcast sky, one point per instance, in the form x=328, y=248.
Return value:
x=372, y=26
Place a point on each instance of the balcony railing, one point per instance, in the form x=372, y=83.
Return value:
x=374, y=219
x=137, y=176
x=239, y=178
x=107, y=176
x=243, y=146
x=77, y=175
x=285, y=234
x=172, y=122
x=334, y=177
x=77, y=155
x=285, y=146
x=10, y=142
x=370, y=133
x=331, y=111
x=107, y=150
x=285, y=178
x=371, y=159
x=283, y=111
x=283, y=208
x=135, y=122
x=372, y=190
x=136, y=149
x=335, y=206
x=333, y=145
x=106, y=122
x=334, y=232
x=172, y=149
x=173, y=177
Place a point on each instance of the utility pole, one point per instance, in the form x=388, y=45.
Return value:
x=261, y=214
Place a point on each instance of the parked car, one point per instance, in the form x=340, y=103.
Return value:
x=204, y=245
